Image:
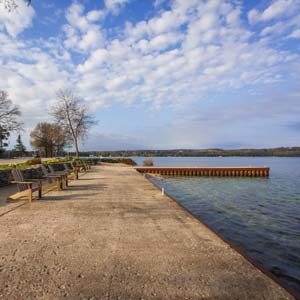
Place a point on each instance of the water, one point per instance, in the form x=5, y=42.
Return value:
x=259, y=215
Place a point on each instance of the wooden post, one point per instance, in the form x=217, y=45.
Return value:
x=30, y=193
x=40, y=190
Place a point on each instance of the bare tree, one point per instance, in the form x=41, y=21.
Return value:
x=9, y=114
x=72, y=114
x=11, y=5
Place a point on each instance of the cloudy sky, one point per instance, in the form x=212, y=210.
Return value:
x=157, y=73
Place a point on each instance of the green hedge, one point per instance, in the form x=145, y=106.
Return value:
x=6, y=167
x=21, y=166
x=35, y=161
x=55, y=160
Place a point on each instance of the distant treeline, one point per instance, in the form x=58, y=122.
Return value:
x=282, y=151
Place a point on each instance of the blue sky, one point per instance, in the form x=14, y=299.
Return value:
x=159, y=74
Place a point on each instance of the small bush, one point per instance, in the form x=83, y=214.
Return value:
x=5, y=167
x=148, y=162
x=20, y=166
x=23, y=165
x=33, y=161
x=55, y=160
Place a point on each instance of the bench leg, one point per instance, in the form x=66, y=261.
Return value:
x=40, y=192
x=30, y=195
x=59, y=183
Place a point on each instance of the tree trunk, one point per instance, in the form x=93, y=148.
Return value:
x=76, y=147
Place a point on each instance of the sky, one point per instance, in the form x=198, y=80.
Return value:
x=159, y=74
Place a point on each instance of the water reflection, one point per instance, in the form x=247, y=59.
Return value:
x=259, y=215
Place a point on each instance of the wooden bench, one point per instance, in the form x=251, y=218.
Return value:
x=57, y=177
x=83, y=165
x=26, y=187
x=64, y=174
x=73, y=170
x=86, y=164
x=79, y=166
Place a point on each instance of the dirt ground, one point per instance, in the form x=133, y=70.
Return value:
x=112, y=235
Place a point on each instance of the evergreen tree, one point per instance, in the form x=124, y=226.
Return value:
x=19, y=147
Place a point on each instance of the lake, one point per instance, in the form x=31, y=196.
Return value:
x=259, y=215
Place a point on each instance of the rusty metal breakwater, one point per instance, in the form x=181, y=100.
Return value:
x=207, y=171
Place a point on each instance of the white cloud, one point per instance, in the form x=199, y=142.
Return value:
x=233, y=17
x=74, y=15
x=82, y=34
x=114, y=6
x=166, y=22
x=281, y=28
x=253, y=16
x=159, y=62
x=159, y=42
x=295, y=34
x=91, y=39
x=95, y=15
x=16, y=21
x=206, y=22
x=276, y=9
x=277, y=28
x=97, y=58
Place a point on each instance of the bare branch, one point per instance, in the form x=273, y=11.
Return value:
x=9, y=114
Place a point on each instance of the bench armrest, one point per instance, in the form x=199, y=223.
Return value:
x=58, y=173
x=33, y=179
x=23, y=182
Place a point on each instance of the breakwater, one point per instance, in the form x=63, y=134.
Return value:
x=207, y=171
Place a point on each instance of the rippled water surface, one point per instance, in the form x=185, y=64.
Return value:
x=259, y=215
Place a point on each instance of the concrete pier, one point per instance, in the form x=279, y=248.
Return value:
x=207, y=171
x=113, y=235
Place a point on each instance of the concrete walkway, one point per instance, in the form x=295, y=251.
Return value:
x=112, y=235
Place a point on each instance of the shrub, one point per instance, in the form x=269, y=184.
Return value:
x=55, y=160
x=148, y=162
x=22, y=165
x=33, y=161
x=5, y=167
